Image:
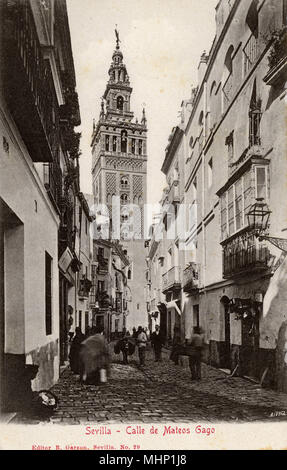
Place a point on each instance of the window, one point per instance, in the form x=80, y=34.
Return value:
x=124, y=182
x=114, y=143
x=223, y=214
x=228, y=63
x=48, y=293
x=140, y=147
x=80, y=319
x=86, y=226
x=133, y=146
x=101, y=286
x=129, y=274
x=236, y=202
x=120, y=103
x=107, y=143
x=124, y=139
x=196, y=315
x=117, y=325
x=260, y=181
x=229, y=142
x=124, y=198
x=252, y=18
x=210, y=172
x=254, y=127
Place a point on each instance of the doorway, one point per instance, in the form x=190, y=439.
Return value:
x=226, y=359
x=250, y=344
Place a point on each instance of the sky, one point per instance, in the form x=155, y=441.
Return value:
x=161, y=41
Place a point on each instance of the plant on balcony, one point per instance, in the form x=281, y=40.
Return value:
x=278, y=49
x=70, y=115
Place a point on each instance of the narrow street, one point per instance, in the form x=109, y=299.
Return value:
x=163, y=392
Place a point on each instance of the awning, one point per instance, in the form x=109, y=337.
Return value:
x=173, y=304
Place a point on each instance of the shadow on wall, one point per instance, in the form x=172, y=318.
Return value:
x=281, y=359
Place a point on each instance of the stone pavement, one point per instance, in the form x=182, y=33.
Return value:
x=163, y=392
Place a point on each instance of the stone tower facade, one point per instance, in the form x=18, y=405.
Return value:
x=119, y=178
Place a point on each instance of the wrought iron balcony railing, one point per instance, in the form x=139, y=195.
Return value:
x=28, y=82
x=171, y=279
x=244, y=254
x=53, y=183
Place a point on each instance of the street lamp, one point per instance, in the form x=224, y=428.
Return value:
x=258, y=217
x=258, y=221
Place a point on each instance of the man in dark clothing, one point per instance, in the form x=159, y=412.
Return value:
x=75, y=350
x=157, y=342
x=196, y=344
x=124, y=345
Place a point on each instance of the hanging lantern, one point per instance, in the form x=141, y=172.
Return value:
x=258, y=217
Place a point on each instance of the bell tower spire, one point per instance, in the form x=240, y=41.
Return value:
x=119, y=148
x=117, y=37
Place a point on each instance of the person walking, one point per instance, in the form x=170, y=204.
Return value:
x=196, y=347
x=75, y=350
x=157, y=343
x=141, y=342
x=176, y=343
x=124, y=346
x=134, y=333
x=94, y=358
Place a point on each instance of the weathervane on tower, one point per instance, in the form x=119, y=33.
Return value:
x=117, y=37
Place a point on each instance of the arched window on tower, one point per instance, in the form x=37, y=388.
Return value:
x=124, y=182
x=124, y=138
x=124, y=198
x=140, y=147
x=114, y=143
x=107, y=143
x=120, y=103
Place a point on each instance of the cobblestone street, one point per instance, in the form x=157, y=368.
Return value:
x=163, y=392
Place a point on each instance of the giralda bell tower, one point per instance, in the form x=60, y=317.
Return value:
x=119, y=174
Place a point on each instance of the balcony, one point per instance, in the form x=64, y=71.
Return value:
x=53, y=183
x=84, y=288
x=250, y=53
x=28, y=82
x=171, y=280
x=103, y=266
x=190, y=279
x=277, y=58
x=243, y=254
x=66, y=237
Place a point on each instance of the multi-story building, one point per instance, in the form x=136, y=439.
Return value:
x=84, y=249
x=109, y=294
x=232, y=283
x=119, y=178
x=38, y=183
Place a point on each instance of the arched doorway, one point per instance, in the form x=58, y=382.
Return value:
x=224, y=308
